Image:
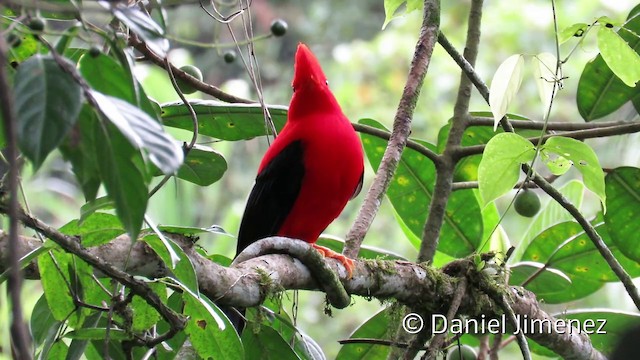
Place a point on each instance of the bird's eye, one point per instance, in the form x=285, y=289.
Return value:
x=326, y=82
x=293, y=88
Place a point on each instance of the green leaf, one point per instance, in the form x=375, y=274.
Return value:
x=584, y=160
x=544, y=71
x=366, y=252
x=141, y=24
x=504, y=86
x=107, y=76
x=619, y=56
x=96, y=229
x=124, y=182
x=576, y=30
x=28, y=47
x=567, y=248
x=175, y=259
x=44, y=326
x=47, y=104
x=203, y=166
x=391, y=7
x=376, y=327
x=144, y=315
x=499, y=169
x=411, y=191
x=623, y=201
x=192, y=231
x=209, y=330
x=266, y=344
x=142, y=131
x=548, y=282
x=552, y=213
x=223, y=121
x=67, y=37
x=56, y=289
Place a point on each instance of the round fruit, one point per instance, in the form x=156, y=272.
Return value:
x=14, y=40
x=229, y=56
x=462, y=352
x=279, y=27
x=527, y=203
x=37, y=24
x=94, y=51
x=183, y=85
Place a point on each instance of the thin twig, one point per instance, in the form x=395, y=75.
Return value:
x=436, y=343
x=382, y=134
x=551, y=125
x=20, y=337
x=401, y=127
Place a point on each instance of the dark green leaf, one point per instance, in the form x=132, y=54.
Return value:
x=142, y=132
x=48, y=102
x=53, y=274
x=203, y=166
x=376, y=327
x=266, y=344
x=546, y=283
x=79, y=150
x=44, y=326
x=411, y=191
x=623, y=209
x=78, y=347
x=96, y=229
x=124, y=182
x=223, y=121
x=567, y=248
x=191, y=231
x=107, y=76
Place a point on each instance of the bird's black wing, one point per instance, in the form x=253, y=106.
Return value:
x=274, y=193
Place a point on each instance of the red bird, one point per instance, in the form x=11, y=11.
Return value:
x=310, y=171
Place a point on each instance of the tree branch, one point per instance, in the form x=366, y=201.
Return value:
x=401, y=128
x=20, y=337
x=244, y=285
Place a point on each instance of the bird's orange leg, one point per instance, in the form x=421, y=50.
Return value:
x=347, y=262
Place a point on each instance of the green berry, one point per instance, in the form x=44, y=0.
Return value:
x=94, y=51
x=229, y=56
x=527, y=203
x=462, y=352
x=183, y=85
x=37, y=24
x=279, y=27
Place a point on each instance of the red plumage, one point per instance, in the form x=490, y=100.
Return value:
x=311, y=170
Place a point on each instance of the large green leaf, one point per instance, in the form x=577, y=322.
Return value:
x=123, y=180
x=47, y=104
x=266, y=344
x=600, y=92
x=55, y=273
x=567, y=248
x=175, y=259
x=223, y=121
x=107, y=76
x=44, y=326
x=546, y=283
x=552, y=213
x=376, y=327
x=505, y=85
x=619, y=56
x=623, y=204
x=411, y=191
x=500, y=167
x=96, y=229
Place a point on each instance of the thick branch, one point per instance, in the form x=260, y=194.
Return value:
x=244, y=285
x=401, y=127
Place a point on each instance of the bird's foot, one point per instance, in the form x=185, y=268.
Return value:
x=345, y=261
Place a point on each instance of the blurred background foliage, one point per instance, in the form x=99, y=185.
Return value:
x=367, y=69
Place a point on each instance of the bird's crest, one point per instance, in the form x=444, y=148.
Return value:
x=307, y=70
